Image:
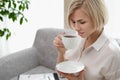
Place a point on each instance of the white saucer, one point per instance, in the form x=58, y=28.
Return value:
x=70, y=67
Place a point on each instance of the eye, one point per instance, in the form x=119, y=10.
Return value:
x=73, y=22
x=82, y=22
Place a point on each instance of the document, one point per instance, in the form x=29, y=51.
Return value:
x=45, y=76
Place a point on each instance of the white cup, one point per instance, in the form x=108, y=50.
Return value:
x=70, y=39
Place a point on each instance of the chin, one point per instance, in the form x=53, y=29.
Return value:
x=81, y=36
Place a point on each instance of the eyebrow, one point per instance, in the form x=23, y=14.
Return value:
x=79, y=20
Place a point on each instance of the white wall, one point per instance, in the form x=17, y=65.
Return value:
x=41, y=14
x=113, y=26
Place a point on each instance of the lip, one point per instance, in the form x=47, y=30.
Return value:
x=80, y=33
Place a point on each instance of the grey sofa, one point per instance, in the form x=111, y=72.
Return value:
x=40, y=58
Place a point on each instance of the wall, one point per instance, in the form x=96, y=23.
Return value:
x=66, y=5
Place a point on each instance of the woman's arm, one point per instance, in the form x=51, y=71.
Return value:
x=60, y=57
x=60, y=48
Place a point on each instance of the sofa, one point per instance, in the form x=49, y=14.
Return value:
x=40, y=58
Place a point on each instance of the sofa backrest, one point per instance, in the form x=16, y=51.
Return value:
x=44, y=44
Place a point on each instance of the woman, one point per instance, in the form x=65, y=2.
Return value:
x=100, y=56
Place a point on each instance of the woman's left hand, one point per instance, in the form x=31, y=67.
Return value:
x=73, y=76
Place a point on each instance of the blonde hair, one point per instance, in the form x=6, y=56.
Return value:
x=95, y=9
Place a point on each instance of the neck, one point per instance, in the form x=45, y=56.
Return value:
x=94, y=36
x=91, y=39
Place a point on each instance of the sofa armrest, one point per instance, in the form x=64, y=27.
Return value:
x=118, y=41
x=17, y=63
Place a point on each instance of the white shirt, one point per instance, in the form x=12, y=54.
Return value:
x=101, y=59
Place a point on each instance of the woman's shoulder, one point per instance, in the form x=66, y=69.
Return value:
x=113, y=46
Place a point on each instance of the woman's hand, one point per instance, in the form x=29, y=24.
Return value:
x=58, y=43
x=72, y=76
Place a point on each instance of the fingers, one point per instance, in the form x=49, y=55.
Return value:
x=69, y=76
x=63, y=75
x=81, y=75
x=72, y=76
x=58, y=41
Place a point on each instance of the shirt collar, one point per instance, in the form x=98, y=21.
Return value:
x=100, y=41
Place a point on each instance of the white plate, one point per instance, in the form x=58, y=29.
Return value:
x=70, y=67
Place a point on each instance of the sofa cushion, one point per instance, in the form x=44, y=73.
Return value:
x=37, y=70
x=44, y=44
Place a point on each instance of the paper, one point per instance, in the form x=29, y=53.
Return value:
x=47, y=76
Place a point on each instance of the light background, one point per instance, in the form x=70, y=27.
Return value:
x=52, y=14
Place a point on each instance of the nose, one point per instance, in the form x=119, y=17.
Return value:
x=77, y=26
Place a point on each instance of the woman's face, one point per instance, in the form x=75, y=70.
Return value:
x=82, y=23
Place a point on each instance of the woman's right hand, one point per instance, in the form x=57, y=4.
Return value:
x=57, y=42
x=79, y=76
